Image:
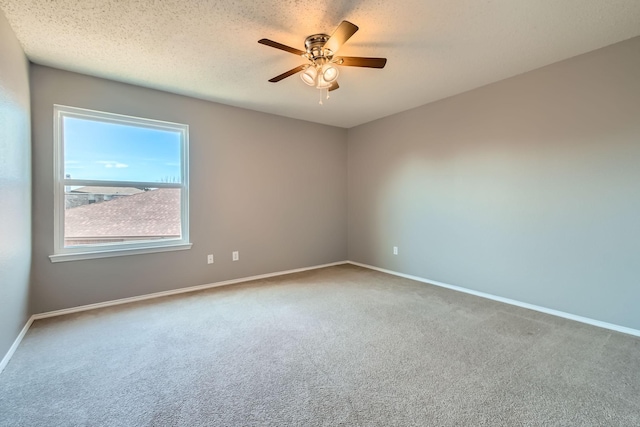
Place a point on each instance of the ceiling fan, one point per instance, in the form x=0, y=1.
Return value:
x=320, y=49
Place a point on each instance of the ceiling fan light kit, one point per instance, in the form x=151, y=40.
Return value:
x=320, y=77
x=322, y=72
x=309, y=76
x=329, y=73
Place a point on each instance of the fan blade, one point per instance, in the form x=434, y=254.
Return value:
x=281, y=46
x=357, y=61
x=343, y=33
x=291, y=72
x=334, y=86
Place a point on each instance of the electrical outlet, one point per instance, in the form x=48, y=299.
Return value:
x=235, y=255
x=210, y=259
x=395, y=250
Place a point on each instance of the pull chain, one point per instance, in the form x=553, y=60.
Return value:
x=322, y=95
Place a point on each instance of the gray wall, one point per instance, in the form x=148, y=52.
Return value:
x=528, y=188
x=15, y=187
x=273, y=188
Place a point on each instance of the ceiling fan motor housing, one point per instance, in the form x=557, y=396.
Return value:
x=315, y=47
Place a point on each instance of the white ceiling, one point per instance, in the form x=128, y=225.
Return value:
x=209, y=50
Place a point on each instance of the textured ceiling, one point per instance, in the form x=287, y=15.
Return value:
x=209, y=50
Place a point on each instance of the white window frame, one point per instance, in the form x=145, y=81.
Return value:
x=62, y=253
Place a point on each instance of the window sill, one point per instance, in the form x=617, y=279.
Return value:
x=77, y=256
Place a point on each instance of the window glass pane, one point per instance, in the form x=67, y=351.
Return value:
x=96, y=150
x=103, y=215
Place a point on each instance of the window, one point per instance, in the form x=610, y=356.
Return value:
x=121, y=185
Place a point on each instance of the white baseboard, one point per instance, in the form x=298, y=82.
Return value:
x=558, y=313
x=177, y=291
x=546, y=310
x=45, y=315
x=16, y=343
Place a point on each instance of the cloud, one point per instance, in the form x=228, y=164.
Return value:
x=112, y=164
x=73, y=164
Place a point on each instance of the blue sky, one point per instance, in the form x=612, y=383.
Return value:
x=115, y=152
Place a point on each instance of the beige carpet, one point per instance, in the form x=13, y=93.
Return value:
x=337, y=346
